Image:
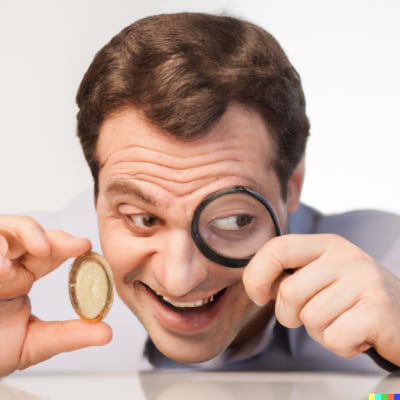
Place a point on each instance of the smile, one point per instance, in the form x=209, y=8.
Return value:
x=187, y=304
x=186, y=316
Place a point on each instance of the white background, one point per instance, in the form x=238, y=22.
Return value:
x=347, y=52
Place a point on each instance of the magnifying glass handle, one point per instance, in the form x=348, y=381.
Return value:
x=289, y=271
x=382, y=362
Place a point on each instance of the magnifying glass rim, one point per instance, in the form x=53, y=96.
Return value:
x=206, y=250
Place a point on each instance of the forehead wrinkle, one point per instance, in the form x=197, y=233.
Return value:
x=188, y=179
x=178, y=156
x=179, y=168
x=184, y=175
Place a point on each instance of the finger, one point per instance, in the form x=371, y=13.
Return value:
x=15, y=280
x=369, y=322
x=295, y=290
x=18, y=276
x=318, y=312
x=19, y=235
x=63, y=246
x=320, y=289
x=14, y=317
x=351, y=333
x=10, y=241
x=46, y=339
x=281, y=253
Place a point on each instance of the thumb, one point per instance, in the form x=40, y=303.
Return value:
x=46, y=339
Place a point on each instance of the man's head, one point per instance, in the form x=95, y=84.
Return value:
x=174, y=108
x=183, y=70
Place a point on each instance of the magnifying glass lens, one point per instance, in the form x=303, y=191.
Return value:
x=235, y=225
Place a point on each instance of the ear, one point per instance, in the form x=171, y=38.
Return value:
x=295, y=184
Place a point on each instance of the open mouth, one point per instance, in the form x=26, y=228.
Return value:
x=197, y=305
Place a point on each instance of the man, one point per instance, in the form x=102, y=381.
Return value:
x=175, y=111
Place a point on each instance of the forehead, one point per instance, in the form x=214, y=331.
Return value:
x=131, y=147
x=129, y=127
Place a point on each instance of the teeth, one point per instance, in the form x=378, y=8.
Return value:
x=189, y=304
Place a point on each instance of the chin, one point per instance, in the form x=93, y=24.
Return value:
x=189, y=358
x=189, y=351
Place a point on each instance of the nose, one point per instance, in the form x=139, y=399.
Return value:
x=180, y=268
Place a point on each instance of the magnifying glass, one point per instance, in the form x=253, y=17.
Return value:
x=231, y=225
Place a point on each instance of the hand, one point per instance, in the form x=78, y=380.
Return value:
x=345, y=299
x=27, y=253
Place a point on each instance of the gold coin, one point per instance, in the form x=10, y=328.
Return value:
x=91, y=288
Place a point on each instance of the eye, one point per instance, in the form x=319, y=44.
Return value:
x=144, y=220
x=233, y=222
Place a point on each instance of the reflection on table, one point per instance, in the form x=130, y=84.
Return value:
x=197, y=386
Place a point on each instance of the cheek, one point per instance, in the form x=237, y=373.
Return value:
x=124, y=252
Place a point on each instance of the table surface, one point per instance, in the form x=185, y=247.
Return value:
x=197, y=386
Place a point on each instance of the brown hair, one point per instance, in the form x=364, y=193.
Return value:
x=183, y=70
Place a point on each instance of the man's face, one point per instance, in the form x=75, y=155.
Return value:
x=149, y=187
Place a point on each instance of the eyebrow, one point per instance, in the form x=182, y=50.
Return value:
x=126, y=188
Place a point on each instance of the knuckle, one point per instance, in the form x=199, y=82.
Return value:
x=363, y=260
x=286, y=316
x=287, y=309
x=338, y=344
x=333, y=237
x=369, y=276
x=23, y=222
x=14, y=221
x=277, y=246
x=310, y=318
x=284, y=292
x=28, y=220
x=342, y=246
x=255, y=288
x=287, y=293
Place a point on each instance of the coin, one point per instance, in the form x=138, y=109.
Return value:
x=91, y=288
